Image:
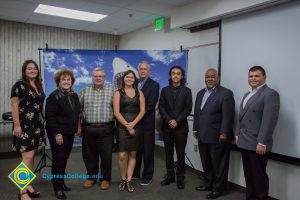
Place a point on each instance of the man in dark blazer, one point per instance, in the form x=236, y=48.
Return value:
x=175, y=105
x=258, y=116
x=213, y=127
x=150, y=89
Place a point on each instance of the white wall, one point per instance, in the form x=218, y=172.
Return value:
x=203, y=11
x=148, y=39
x=284, y=178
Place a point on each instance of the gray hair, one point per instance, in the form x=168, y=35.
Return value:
x=146, y=63
x=98, y=69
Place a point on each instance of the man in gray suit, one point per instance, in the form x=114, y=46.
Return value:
x=213, y=121
x=257, y=119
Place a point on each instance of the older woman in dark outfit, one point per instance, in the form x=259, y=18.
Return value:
x=62, y=122
x=27, y=98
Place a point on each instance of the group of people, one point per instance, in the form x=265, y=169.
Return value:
x=98, y=114
x=213, y=128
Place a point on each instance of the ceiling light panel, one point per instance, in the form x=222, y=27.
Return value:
x=68, y=13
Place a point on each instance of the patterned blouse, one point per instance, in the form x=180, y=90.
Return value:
x=31, y=117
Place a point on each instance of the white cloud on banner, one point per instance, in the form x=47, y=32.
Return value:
x=49, y=59
x=83, y=79
x=99, y=62
x=84, y=71
x=166, y=57
x=77, y=58
x=75, y=71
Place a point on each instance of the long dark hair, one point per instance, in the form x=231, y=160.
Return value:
x=37, y=80
x=183, y=80
x=134, y=85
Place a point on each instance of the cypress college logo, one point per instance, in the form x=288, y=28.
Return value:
x=22, y=176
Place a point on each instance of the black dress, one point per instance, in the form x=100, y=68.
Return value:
x=31, y=118
x=129, y=108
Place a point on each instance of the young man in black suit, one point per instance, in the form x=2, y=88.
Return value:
x=150, y=89
x=175, y=105
x=213, y=128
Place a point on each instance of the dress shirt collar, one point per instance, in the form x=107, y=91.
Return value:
x=211, y=90
x=256, y=89
x=102, y=87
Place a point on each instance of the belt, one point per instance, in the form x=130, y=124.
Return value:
x=99, y=125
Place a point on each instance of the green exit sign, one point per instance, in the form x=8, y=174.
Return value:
x=159, y=23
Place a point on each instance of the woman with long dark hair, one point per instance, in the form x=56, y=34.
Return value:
x=129, y=109
x=27, y=98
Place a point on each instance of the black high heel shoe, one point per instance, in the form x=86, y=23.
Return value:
x=34, y=194
x=21, y=194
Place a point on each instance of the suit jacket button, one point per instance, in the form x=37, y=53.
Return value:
x=250, y=120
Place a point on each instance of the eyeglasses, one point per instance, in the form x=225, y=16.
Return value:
x=99, y=76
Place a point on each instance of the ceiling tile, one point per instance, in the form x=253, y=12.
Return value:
x=151, y=7
x=52, y=20
x=143, y=13
x=100, y=8
x=128, y=14
x=117, y=3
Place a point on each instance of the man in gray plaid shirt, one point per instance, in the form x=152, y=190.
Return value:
x=98, y=127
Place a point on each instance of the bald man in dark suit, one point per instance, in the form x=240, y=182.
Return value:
x=213, y=127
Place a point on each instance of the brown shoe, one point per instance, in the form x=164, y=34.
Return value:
x=104, y=185
x=88, y=183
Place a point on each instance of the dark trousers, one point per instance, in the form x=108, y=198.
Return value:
x=97, y=142
x=147, y=155
x=173, y=137
x=60, y=155
x=257, y=180
x=215, y=163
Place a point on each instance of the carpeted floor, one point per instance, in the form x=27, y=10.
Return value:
x=8, y=191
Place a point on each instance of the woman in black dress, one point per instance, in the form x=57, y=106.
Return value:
x=27, y=98
x=129, y=109
x=62, y=122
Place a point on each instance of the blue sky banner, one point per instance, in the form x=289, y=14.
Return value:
x=82, y=62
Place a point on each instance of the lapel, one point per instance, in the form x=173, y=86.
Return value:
x=251, y=100
x=213, y=94
x=200, y=99
x=146, y=85
x=241, y=106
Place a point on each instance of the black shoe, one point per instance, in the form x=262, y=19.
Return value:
x=145, y=182
x=60, y=194
x=33, y=194
x=167, y=180
x=65, y=188
x=203, y=188
x=180, y=182
x=213, y=195
x=180, y=185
